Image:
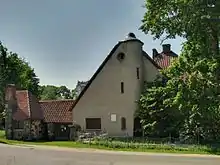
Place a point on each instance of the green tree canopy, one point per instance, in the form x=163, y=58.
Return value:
x=189, y=102
x=51, y=92
x=17, y=71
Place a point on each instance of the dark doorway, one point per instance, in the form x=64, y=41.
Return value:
x=137, y=127
x=61, y=131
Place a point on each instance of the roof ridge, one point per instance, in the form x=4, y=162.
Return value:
x=150, y=59
x=25, y=90
x=170, y=53
x=56, y=100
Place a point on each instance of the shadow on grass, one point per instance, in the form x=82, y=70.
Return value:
x=215, y=149
x=3, y=142
x=46, y=140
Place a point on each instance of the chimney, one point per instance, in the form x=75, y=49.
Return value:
x=10, y=108
x=155, y=53
x=10, y=93
x=166, y=48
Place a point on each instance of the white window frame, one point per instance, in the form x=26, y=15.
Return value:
x=113, y=117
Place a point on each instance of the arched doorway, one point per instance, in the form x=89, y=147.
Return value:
x=137, y=132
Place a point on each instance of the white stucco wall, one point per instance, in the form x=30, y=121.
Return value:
x=104, y=97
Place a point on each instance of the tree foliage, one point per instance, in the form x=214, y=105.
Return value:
x=188, y=105
x=158, y=117
x=184, y=18
x=17, y=71
x=51, y=92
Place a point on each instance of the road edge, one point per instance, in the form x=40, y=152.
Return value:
x=102, y=151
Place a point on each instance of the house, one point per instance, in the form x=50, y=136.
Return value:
x=58, y=116
x=27, y=118
x=109, y=99
x=164, y=58
x=24, y=116
x=107, y=102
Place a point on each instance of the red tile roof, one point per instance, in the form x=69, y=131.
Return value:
x=57, y=111
x=27, y=106
x=164, y=59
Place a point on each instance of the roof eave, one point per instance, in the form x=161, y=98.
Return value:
x=151, y=60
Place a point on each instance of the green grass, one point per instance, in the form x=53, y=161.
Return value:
x=2, y=137
x=2, y=133
x=123, y=146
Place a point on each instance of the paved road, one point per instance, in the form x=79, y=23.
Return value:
x=15, y=155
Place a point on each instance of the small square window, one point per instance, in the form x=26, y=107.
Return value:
x=113, y=117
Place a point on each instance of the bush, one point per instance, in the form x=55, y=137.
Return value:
x=131, y=144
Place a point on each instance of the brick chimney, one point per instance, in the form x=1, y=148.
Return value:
x=154, y=52
x=166, y=48
x=10, y=93
x=10, y=108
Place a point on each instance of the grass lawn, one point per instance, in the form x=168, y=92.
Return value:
x=123, y=146
x=2, y=134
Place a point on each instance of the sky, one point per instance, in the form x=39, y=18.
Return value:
x=66, y=41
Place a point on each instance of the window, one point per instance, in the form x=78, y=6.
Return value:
x=123, y=123
x=93, y=123
x=138, y=73
x=121, y=56
x=122, y=87
x=113, y=117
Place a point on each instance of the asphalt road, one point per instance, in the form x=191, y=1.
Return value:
x=17, y=155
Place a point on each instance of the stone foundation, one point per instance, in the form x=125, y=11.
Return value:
x=37, y=130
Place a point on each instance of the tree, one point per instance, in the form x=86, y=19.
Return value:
x=188, y=19
x=158, y=117
x=3, y=55
x=192, y=89
x=17, y=71
x=73, y=93
x=51, y=92
x=65, y=92
x=48, y=92
x=20, y=73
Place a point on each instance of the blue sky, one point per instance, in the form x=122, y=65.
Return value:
x=65, y=41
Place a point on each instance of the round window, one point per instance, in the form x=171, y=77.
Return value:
x=121, y=56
